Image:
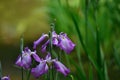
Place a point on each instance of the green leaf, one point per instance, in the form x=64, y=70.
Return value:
x=91, y=72
x=105, y=71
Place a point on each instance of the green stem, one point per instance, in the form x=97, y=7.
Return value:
x=21, y=49
x=59, y=55
x=57, y=77
x=105, y=71
x=67, y=59
x=48, y=74
x=50, y=47
x=29, y=73
x=52, y=72
x=59, y=59
x=91, y=72
x=71, y=76
x=50, y=35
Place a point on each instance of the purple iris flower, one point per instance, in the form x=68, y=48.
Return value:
x=65, y=43
x=62, y=41
x=5, y=78
x=46, y=64
x=25, y=60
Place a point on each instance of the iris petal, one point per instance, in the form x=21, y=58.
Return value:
x=44, y=46
x=5, y=78
x=35, y=56
x=61, y=68
x=39, y=69
x=37, y=42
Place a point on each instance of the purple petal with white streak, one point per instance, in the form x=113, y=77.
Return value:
x=39, y=69
x=5, y=78
x=61, y=68
x=65, y=43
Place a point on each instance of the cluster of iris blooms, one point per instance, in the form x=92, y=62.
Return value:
x=28, y=57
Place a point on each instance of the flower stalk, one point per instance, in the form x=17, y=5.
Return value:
x=50, y=49
x=21, y=49
x=59, y=59
x=29, y=73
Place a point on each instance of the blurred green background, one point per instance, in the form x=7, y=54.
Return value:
x=31, y=18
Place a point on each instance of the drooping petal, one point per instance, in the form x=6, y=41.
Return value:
x=61, y=68
x=5, y=78
x=37, y=42
x=35, y=56
x=39, y=69
x=65, y=43
x=44, y=46
x=19, y=62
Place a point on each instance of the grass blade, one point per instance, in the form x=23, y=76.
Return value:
x=91, y=73
x=105, y=71
x=116, y=56
x=81, y=40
